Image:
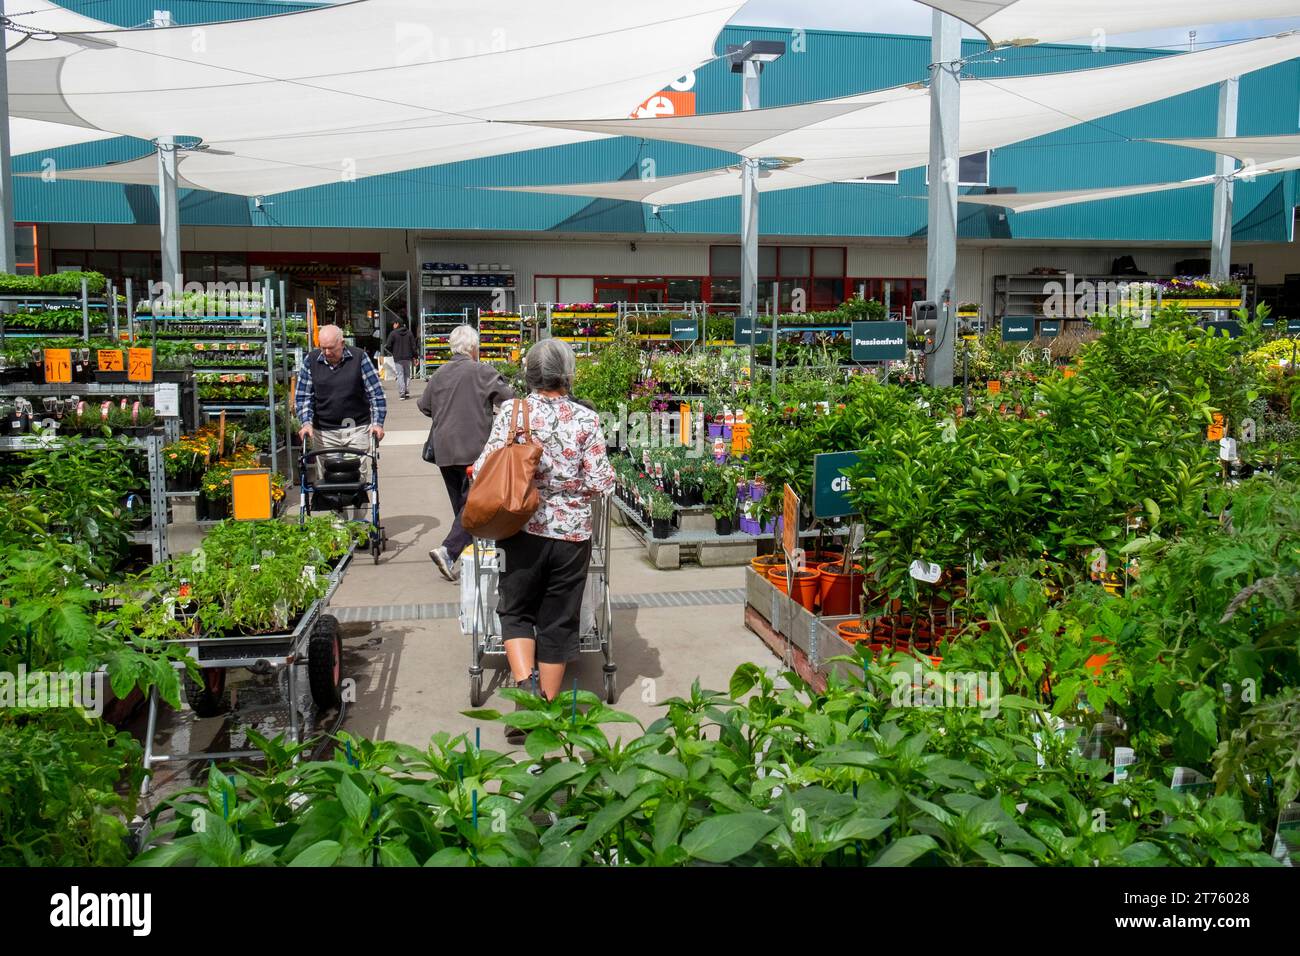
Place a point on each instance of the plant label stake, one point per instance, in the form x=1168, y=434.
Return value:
x=925, y=571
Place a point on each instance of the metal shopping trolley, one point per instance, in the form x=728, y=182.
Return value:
x=478, y=605
x=343, y=489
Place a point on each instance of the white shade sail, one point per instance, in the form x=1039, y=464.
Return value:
x=33, y=136
x=1030, y=202
x=889, y=130
x=1251, y=150
x=1022, y=22
x=27, y=135
x=41, y=15
x=367, y=87
x=142, y=171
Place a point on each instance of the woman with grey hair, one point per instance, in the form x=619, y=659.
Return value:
x=460, y=398
x=546, y=564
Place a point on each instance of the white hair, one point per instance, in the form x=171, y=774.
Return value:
x=325, y=331
x=549, y=366
x=463, y=340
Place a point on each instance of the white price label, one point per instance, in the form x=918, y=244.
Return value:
x=925, y=571
x=167, y=399
x=1098, y=562
x=1227, y=449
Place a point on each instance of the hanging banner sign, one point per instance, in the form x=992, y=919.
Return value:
x=743, y=328
x=1049, y=328
x=685, y=330
x=879, y=341
x=1017, y=328
x=831, y=485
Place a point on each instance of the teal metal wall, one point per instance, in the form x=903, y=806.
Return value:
x=1106, y=152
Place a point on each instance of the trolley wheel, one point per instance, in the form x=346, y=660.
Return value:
x=325, y=663
x=476, y=690
x=207, y=698
x=611, y=688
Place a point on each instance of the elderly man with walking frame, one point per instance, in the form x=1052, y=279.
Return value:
x=339, y=398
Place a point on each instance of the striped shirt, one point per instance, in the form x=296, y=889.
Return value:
x=305, y=394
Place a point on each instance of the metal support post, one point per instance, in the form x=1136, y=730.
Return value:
x=1224, y=167
x=945, y=165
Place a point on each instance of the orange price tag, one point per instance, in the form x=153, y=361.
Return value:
x=1215, y=432
x=995, y=387
x=140, y=365
x=58, y=366
x=789, y=520
x=109, y=360
x=740, y=438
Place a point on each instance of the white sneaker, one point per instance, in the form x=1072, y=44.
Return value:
x=446, y=567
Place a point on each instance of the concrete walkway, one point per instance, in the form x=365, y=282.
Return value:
x=411, y=672
x=411, y=675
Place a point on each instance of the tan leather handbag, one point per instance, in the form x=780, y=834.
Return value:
x=503, y=496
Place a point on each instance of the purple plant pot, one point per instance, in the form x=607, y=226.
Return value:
x=770, y=527
x=757, y=490
x=715, y=431
x=726, y=432
x=748, y=526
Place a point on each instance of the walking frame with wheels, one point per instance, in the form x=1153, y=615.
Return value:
x=337, y=492
x=478, y=606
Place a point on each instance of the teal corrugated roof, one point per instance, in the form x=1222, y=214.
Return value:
x=818, y=65
x=134, y=13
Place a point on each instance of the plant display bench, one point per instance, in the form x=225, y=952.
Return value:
x=314, y=639
x=695, y=540
x=807, y=642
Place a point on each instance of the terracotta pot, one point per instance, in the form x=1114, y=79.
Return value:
x=806, y=588
x=841, y=593
x=854, y=631
x=776, y=574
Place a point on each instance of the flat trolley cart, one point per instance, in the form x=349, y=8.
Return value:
x=478, y=605
x=315, y=638
x=342, y=488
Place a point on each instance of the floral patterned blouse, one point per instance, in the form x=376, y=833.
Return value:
x=573, y=468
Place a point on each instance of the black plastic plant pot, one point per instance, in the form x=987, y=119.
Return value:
x=661, y=527
x=722, y=525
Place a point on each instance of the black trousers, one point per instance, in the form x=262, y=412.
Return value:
x=540, y=593
x=457, y=482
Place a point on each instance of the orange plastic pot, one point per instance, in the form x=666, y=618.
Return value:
x=806, y=588
x=776, y=574
x=854, y=631
x=763, y=562
x=815, y=560
x=840, y=593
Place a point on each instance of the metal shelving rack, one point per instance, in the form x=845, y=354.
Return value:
x=152, y=445
x=500, y=337
x=107, y=324
x=435, y=327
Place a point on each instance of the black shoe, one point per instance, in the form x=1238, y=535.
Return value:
x=517, y=735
